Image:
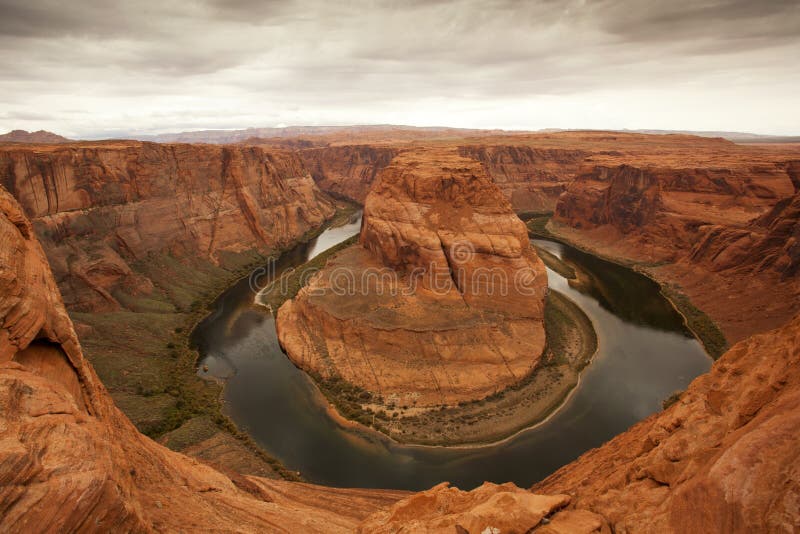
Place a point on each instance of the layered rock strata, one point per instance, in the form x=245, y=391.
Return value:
x=490, y=508
x=101, y=208
x=531, y=178
x=710, y=232
x=349, y=170
x=441, y=301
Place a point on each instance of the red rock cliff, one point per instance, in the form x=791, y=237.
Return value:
x=99, y=208
x=347, y=171
x=532, y=178
x=442, y=301
x=711, y=231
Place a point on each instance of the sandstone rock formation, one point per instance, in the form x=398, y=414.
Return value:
x=662, y=209
x=490, y=508
x=349, y=170
x=711, y=231
x=532, y=178
x=723, y=458
x=100, y=208
x=444, y=295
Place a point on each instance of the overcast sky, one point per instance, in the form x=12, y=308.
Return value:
x=98, y=68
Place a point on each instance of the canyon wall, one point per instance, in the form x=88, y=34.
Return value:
x=532, y=178
x=660, y=210
x=444, y=295
x=349, y=170
x=101, y=209
x=139, y=236
x=709, y=231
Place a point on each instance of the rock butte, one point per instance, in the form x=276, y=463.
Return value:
x=722, y=458
x=471, y=326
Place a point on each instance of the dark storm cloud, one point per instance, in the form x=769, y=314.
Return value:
x=228, y=60
x=720, y=21
x=54, y=18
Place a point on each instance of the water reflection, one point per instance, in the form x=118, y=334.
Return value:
x=644, y=354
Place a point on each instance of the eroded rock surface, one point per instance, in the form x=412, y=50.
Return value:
x=101, y=208
x=490, y=508
x=532, y=178
x=442, y=300
x=710, y=231
x=723, y=458
x=349, y=170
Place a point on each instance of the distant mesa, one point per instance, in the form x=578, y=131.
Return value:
x=23, y=136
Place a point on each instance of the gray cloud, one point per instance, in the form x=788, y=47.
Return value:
x=162, y=65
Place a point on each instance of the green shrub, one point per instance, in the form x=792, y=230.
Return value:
x=672, y=399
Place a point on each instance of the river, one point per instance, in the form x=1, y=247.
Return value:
x=645, y=352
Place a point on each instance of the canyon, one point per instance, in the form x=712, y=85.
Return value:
x=139, y=232
x=707, y=230
x=99, y=208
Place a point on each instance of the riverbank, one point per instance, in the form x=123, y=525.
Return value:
x=572, y=342
x=143, y=356
x=698, y=322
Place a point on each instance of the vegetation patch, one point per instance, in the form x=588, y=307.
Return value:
x=290, y=282
x=674, y=397
x=537, y=225
x=698, y=322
